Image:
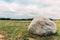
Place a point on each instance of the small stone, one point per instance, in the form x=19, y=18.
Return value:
x=42, y=26
x=1, y=37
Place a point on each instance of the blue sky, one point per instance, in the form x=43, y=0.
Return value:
x=29, y=8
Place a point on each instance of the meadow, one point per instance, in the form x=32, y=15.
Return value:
x=17, y=30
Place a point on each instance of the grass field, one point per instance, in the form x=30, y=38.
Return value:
x=17, y=30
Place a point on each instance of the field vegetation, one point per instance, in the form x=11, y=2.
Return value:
x=17, y=30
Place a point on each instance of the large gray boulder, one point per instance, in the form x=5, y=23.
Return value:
x=42, y=26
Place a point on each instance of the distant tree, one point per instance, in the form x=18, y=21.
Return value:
x=50, y=19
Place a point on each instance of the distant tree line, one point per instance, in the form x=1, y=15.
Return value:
x=14, y=19
x=5, y=19
x=24, y=19
x=54, y=19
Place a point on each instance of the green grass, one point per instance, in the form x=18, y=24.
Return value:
x=17, y=30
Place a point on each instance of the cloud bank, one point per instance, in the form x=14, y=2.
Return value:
x=29, y=8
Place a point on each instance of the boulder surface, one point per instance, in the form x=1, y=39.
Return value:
x=42, y=26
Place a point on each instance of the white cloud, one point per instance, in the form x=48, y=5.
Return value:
x=23, y=11
x=50, y=1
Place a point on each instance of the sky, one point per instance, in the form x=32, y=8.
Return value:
x=19, y=9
